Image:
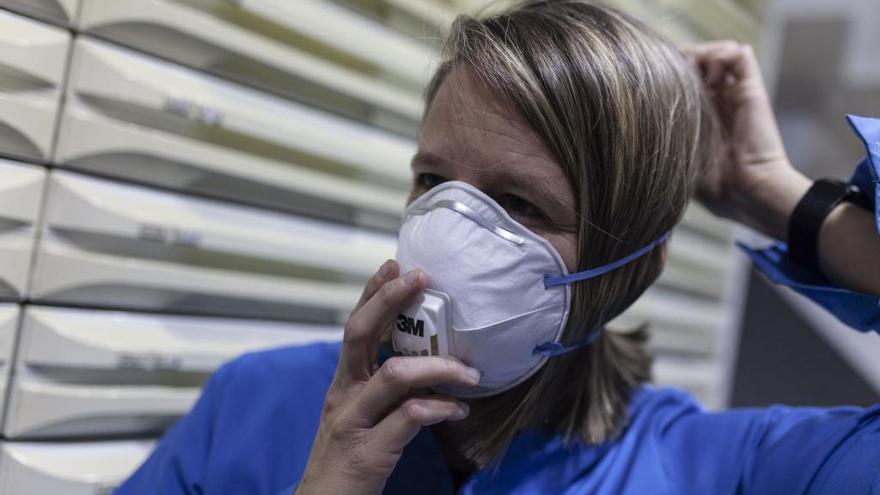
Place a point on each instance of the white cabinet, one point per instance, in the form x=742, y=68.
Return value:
x=21, y=192
x=303, y=50
x=138, y=118
x=33, y=58
x=58, y=11
x=117, y=245
x=91, y=372
x=85, y=468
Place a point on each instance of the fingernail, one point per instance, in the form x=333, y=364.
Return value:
x=411, y=277
x=463, y=412
x=385, y=269
x=474, y=374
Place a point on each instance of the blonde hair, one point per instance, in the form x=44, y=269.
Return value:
x=627, y=119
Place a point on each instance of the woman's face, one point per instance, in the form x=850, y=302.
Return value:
x=469, y=136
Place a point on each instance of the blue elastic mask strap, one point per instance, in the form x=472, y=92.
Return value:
x=554, y=280
x=551, y=349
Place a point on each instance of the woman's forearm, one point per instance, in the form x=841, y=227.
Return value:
x=849, y=245
x=849, y=249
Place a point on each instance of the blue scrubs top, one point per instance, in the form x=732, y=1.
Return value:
x=252, y=429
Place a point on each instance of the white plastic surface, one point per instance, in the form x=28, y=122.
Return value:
x=79, y=468
x=111, y=340
x=423, y=329
x=117, y=245
x=21, y=191
x=33, y=58
x=58, y=11
x=210, y=39
x=131, y=116
x=39, y=407
x=91, y=372
x=349, y=32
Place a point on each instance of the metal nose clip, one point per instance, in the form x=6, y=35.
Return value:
x=475, y=217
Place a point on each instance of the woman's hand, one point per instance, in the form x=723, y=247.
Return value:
x=371, y=414
x=753, y=183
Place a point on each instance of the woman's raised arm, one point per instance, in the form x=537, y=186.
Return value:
x=754, y=182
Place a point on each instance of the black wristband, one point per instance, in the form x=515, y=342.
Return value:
x=809, y=215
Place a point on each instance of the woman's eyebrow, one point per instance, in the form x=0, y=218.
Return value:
x=525, y=182
x=428, y=158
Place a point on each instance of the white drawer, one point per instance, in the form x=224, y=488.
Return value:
x=135, y=117
x=83, y=468
x=108, y=244
x=33, y=57
x=113, y=340
x=264, y=43
x=58, y=11
x=87, y=372
x=41, y=406
x=358, y=36
x=21, y=192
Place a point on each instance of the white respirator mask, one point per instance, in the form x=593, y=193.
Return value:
x=498, y=294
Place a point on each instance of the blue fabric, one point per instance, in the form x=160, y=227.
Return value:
x=867, y=174
x=860, y=311
x=252, y=430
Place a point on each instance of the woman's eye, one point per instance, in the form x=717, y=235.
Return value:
x=427, y=181
x=521, y=209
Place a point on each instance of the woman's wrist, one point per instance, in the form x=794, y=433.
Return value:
x=849, y=264
x=767, y=202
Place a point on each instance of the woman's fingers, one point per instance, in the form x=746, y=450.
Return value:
x=388, y=271
x=398, y=428
x=399, y=376
x=365, y=326
x=719, y=60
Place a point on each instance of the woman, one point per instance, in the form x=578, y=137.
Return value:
x=585, y=134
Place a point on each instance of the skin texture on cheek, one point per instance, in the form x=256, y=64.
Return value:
x=469, y=136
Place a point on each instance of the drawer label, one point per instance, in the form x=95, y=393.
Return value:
x=149, y=362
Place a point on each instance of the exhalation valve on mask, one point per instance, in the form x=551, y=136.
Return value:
x=498, y=295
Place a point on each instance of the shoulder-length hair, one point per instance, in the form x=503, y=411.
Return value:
x=626, y=117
